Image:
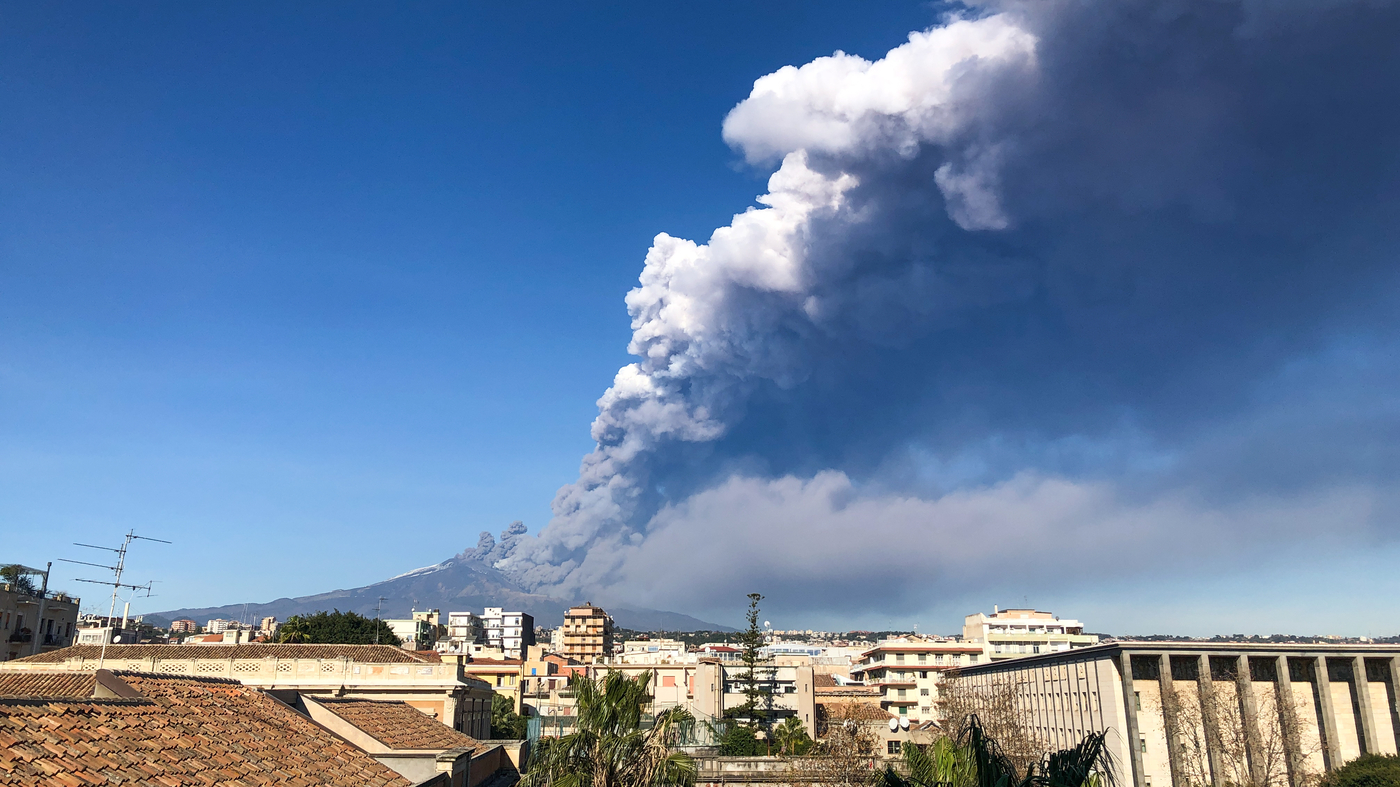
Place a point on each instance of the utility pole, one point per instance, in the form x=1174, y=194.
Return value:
x=377, y=609
x=116, y=582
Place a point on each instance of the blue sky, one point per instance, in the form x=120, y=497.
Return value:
x=341, y=282
x=319, y=292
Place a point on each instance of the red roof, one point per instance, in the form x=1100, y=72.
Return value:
x=176, y=731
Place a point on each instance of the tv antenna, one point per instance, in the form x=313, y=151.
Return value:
x=116, y=583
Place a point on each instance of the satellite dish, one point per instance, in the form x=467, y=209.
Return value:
x=766, y=623
x=894, y=724
x=904, y=722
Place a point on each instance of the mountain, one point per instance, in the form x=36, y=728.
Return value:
x=462, y=583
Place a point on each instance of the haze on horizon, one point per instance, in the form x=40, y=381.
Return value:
x=1088, y=306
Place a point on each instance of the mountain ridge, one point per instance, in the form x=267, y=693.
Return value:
x=464, y=582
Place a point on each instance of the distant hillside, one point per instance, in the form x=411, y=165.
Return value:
x=463, y=583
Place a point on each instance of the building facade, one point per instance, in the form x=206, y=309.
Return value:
x=588, y=634
x=35, y=620
x=512, y=632
x=1194, y=713
x=907, y=673
x=1012, y=633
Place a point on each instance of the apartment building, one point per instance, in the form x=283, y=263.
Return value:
x=512, y=632
x=35, y=619
x=588, y=634
x=1192, y=713
x=184, y=626
x=907, y=673
x=1013, y=633
x=419, y=632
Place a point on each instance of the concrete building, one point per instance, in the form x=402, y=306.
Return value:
x=512, y=632
x=185, y=626
x=419, y=632
x=655, y=651
x=35, y=620
x=370, y=672
x=1012, y=633
x=219, y=626
x=788, y=687
x=1192, y=713
x=588, y=634
x=907, y=673
x=463, y=630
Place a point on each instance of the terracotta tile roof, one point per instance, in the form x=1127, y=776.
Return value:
x=374, y=654
x=397, y=725
x=46, y=684
x=185, y=731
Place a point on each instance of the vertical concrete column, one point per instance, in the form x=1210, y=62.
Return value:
x=1210, y=719
x=1369, y=742
x=1253, y=743
x=1332, y=746
x=1288, y=722
x=1125, y=666
x=1166, y=691
x=1395, y=699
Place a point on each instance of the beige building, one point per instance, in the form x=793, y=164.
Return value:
x=35, y=621
x=1192, y=713
x=1012, y=633
x=655, y=651
x=907, y=672
x=588, y=634
x=440, y=689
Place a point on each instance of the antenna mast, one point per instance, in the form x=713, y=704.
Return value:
x=116, y=582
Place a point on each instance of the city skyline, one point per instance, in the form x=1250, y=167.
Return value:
x=890, y=313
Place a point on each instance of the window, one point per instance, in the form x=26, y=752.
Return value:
x=904, y=710
x=892, y=747
x=923, y=692
x=938, y=659
x=923, y=658
x=1142, y=744
x=899, y=658
x=923, y=711
x=923, y=674
x=996, y=649
x=1137, y=700
x=957, y=658
x=972, y=659
x=1035, y=648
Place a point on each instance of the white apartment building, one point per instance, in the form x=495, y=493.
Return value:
x=1012, y=633
x=908, y=672
x=219, y=626
x=512, y=632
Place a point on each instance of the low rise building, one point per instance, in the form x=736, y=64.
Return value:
x=1192, y=713
x=419, y=632
x=588, y=634
x=374, y=672
x=655, y=651
x=1012, y=633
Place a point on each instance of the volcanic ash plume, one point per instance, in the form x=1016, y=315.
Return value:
x=999, y=280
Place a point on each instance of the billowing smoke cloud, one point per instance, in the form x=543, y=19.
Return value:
x=1052, y=278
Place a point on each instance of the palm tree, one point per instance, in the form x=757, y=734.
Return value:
x=610, y=747
x=791, y=737
x=977, y=760
x=941, y=764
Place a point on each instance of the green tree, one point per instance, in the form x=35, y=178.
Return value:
x=609, y=747
x=17, y=577
x=740, y=741
x=506, y=724
x=335, y=628
x=1372, y=770
x=942, y=763
x=752, y=642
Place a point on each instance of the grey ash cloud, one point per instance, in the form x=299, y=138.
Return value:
x=1060, y=277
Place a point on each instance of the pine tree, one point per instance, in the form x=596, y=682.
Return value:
x=752, y=640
